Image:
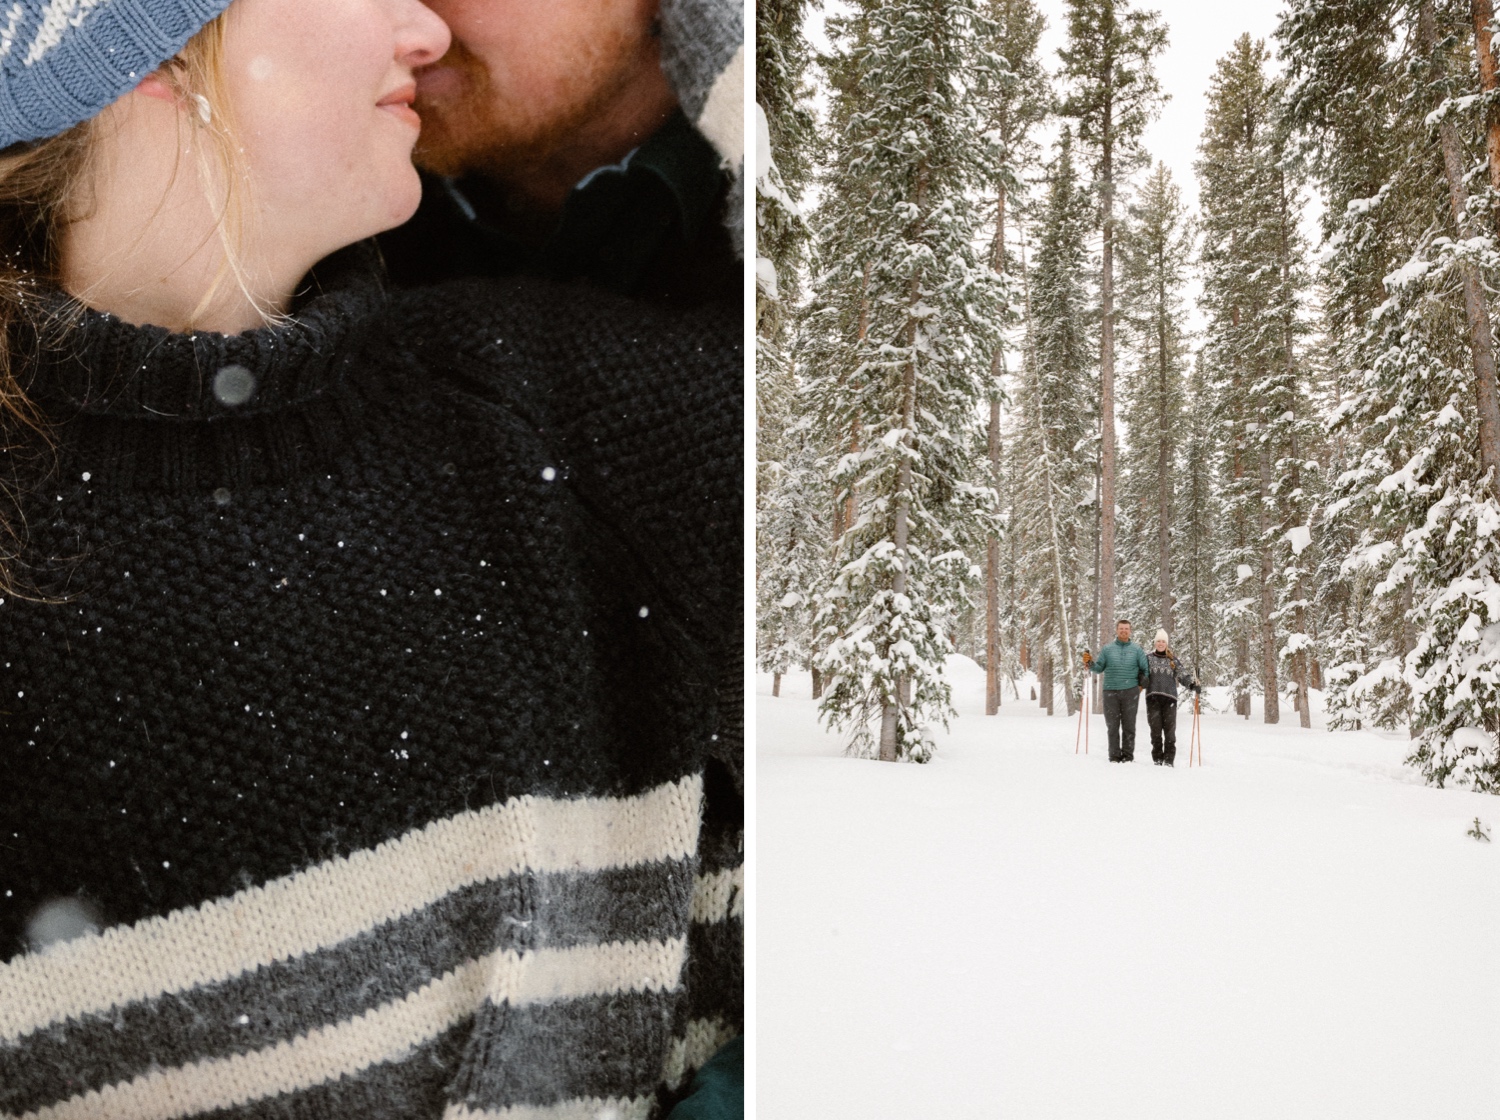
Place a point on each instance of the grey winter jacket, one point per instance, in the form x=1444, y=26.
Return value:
x=1165, y=672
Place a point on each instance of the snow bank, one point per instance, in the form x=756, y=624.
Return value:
x=1298, y=929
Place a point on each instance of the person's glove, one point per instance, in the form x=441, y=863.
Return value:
x=1197, y=687
x=1088, y=658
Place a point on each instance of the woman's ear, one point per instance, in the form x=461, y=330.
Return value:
x=159, y=86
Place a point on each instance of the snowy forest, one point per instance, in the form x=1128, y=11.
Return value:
x=1010, y=387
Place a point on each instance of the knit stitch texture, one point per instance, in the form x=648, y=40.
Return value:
x=62, y=61
x=360, y=706
x=703, y=56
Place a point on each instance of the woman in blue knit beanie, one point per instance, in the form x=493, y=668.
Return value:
x=358, y=753
x=191, y=183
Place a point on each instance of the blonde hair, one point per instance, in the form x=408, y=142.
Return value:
x=45, y=187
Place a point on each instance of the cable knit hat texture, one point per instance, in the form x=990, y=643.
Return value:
x=63, y=61
x=1161, y=636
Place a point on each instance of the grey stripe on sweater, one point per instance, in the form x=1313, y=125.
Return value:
x=414, y=1087
x=602, y=1046
x=283, y=1000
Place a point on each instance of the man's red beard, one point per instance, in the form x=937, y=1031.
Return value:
x=478, y=129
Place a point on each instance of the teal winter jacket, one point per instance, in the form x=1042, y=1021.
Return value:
x=1122, y=664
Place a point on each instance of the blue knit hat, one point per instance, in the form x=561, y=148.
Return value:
x=62, y=61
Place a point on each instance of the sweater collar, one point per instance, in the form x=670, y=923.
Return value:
x=92, y=362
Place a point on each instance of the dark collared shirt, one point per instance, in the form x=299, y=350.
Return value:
x=649, y=227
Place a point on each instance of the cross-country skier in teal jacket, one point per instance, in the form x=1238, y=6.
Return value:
x=1123, y=664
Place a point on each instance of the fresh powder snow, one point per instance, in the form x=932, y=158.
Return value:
x=1300, y=928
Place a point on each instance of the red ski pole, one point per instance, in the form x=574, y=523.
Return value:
x=1083, y=714
x=1195, y=740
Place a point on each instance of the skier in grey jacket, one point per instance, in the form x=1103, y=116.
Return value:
x=1166, y=672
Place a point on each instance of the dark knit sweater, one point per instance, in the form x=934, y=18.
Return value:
x=359, y=698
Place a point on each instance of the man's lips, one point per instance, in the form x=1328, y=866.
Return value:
x=438, y=83
x=398, y=104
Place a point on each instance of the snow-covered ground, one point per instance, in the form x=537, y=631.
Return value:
x=1299, y=929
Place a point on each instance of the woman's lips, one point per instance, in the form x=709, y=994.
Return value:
x=398, y=104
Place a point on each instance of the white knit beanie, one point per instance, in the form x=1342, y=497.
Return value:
x=1161, y=636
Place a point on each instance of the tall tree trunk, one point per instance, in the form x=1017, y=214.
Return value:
x=890, y=716
x=1270, y=688
x=1049, y=684
x=1163, y=467
x=844, y=516
x=1405, y=644
x=1289, y=328
x=775, y=684
x=1061, y=589
x=992, y=575
x=1476, y=309
x=1241, y=532
x=1107, y=389
x=1483, y=14
x=817, y=683
x=1096, y=680
x=891, y=713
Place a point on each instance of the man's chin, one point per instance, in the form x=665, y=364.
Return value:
x=442, y=149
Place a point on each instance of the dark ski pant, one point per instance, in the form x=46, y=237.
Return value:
x=1120, y=706
x=1161, y=714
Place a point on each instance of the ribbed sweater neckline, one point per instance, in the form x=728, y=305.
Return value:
x=100, y=365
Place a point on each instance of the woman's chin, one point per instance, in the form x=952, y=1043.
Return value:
x=401, y=200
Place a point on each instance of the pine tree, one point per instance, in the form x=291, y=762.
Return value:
x=1156, y=246
x=901, y=355
x=791, y=549
x=787, y=510
x=781, y=95
x=1016, y=102
x=1390, y=93
x=1113, y=94
x=1252, y=277
x=1056, y=425
x=1199, y=590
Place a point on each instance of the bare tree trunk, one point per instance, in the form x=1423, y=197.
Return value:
x=1272, y=704
x=1061, y=589
x=891, y=713
x=992, y=583
x=817, y=683
x=1483, y=14
x=1299, y=659
x=1476, y=310
x=1242, y=639
x=775, y=684
x=1163, y=471
x=1097, y=681
x=1405, y=643
x=1242, y=668
x=1107, y=392
x=992, y=575
x=1049, y=684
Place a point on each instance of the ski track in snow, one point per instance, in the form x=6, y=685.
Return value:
x=1300, y=929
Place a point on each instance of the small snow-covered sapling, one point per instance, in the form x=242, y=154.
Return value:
x=1479, y=832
